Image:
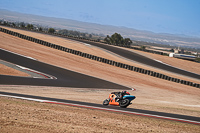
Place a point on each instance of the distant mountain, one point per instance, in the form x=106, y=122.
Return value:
x=138, y=35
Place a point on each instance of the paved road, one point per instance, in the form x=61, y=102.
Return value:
x=65, y=78
x=141, y=59
x=162, y=115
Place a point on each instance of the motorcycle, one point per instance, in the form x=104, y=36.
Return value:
x=116, y=99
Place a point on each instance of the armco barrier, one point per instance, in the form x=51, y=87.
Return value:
x=100, y=59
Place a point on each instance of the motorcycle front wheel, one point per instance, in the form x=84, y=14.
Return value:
x=124, y=103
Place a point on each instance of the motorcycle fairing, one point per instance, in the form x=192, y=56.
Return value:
x=129, y=97
x=112, y=100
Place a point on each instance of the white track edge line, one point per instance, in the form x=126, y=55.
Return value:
x=25, y=68
x=19, y=54
x=24, y=98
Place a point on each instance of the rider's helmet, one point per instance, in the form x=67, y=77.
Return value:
x=125, y=93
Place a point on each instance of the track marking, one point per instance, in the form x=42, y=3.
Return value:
x=173, y=66
x=24, y=98
x=31, y=70
x=86, y=44
x=37, y=72
x=19, y=54
x=133, y=89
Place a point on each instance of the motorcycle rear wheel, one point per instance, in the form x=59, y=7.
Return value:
x=105, y=102
x=124, y=103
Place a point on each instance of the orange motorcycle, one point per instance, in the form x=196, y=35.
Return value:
x=122, y=99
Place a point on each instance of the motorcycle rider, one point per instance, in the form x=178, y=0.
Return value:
x=124, y=93
x=121, y=95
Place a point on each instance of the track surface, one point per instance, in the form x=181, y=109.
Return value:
x=65, y=78
x=142, y=59
x=168, y=116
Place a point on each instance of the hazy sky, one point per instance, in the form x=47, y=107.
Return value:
x=160, y=16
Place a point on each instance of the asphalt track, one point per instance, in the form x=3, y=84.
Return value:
x=65, y=78
x=161, y=115
x=141, y=59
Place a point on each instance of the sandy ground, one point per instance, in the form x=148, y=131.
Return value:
x=25, y=116
x=152, y=93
